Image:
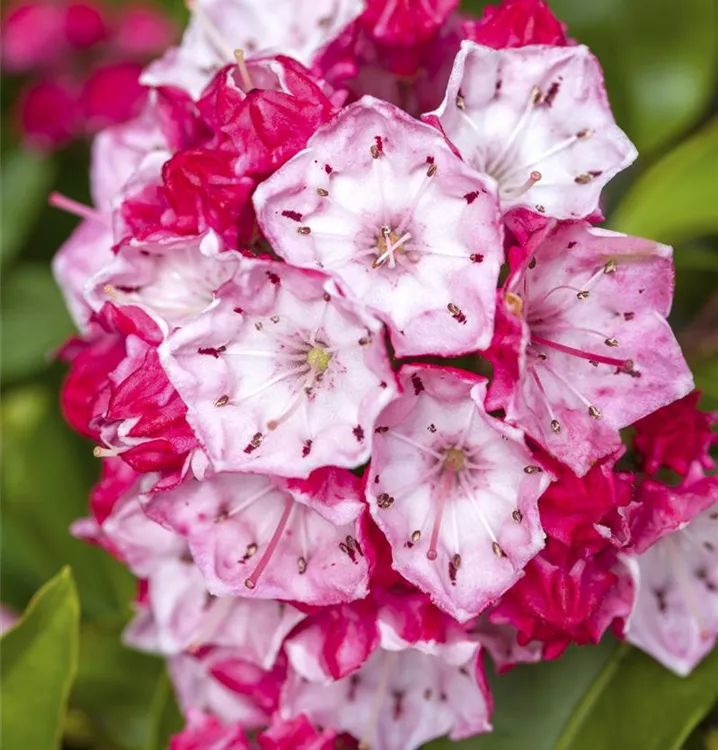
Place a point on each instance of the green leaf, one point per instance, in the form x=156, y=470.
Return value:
x=39, y=662
x=637, y=703
x=659, y=60
x=26, y=179
x=676, y=200
x=47, y=473
x=533, y=702
x=35, y=320
x=124, y=695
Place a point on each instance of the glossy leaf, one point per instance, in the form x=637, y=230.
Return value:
x=677, y=199
x=39, y=661
x=635, y=702
x=35, y=320
x=47, y=472
x=125, y=696
x=26, y=179
x=533, y=702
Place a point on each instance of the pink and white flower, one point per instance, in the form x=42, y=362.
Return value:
x=454, y=490
x=379, y=202
x=537, y=120
x=173, y=278
x=414, y=684
x=582, y=347
x=219, y=27
x=252, y=535
x=279, y=375
x=675, y=618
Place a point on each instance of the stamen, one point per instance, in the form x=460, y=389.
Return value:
x=244, y=505
x=514, y=192
x=77, y=209
x=251, y=582
x=99, y=452
x=677, y=564
x=389, y=659
x=625, y=364
x=555, y=424
x=432, y=553
x=416, y=445
x=214, y=34
x=221, y=607
x=243, y=70
x=494, y=166
x=295, y=403
x=469, y=495
x=592, y=410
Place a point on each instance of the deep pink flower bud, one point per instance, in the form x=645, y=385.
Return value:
x=204, y=731
x=562, y=600
x=517, y=23
x=676, y=436
x=32, y=36
x=142, y=31
x=85, y=24
x=296, y=734
x=405, y=23
x=48, y=113
x=588, y=513
x=111, y=94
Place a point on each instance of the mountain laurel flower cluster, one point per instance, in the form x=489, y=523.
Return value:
x=330, y=222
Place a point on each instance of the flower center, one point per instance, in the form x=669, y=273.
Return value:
x=388, y=243
x=454, y=459
x=318, y=359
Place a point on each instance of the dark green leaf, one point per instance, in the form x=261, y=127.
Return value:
x=533, y=702
x=637, y=703
x=45, y=482
x=125, y=695
x=35, y=320
x=676, y=200
x=26, y=179
x=39, y=662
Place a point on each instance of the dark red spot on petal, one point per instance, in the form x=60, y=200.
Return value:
x=212, y=351
x=358, y=433
x=273, y=277
x=417, y=383
x=551, y=93
x=471, y=197
x=293, y=215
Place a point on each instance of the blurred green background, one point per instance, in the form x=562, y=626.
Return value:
x=660, y=63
